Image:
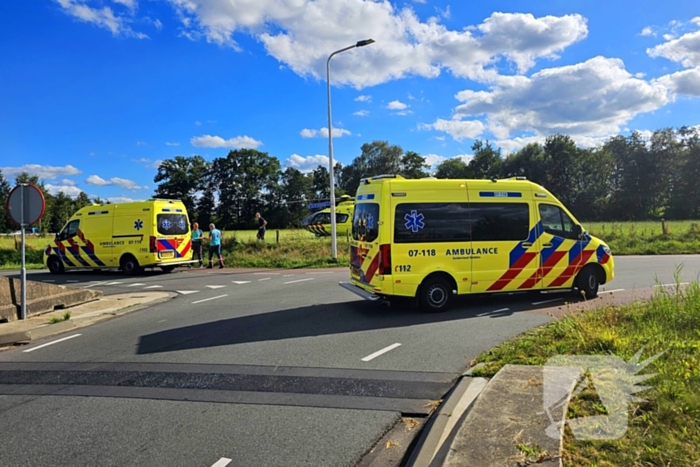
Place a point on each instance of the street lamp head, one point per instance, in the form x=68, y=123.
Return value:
x=364, y=42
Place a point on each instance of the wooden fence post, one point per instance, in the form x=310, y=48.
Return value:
x=663, y=227
x=277, y=235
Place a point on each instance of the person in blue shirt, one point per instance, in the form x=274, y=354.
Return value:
x=215, y=246
x=197, y=243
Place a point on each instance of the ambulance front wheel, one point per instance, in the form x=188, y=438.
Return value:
x=587, y=282
x=435, y=294
x=55, y=265
x=129, y=265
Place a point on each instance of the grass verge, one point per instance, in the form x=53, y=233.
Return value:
x=665, y=428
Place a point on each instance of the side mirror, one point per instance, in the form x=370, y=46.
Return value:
x=578, y=231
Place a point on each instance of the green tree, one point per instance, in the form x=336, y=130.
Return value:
x=6, y=224
x=206, y=206
x=62, y=210
x=413, y=165
x=452, y=168
x=486, y=162
x=322, y=182
x=296, y=190
x=82, y=200
x=377, y=157
x=180, y=178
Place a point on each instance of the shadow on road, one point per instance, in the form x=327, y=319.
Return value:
x=337, y=318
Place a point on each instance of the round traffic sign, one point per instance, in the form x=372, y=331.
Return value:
x=26, y=204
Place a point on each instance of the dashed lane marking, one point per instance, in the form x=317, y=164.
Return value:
x=241, y=282
x=135, y=285
x=494, y=311
x=547, y=301
x=300, y=280
x=186, y=292
x=51, y=343
x=114, y=283
x=211, y=298
x=223, y=462
x=215, y=286
x=611, y=291
x=154, y=287
x=264, y=279
x=380, y=352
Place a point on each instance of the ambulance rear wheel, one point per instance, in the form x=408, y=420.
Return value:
x=435, y=294
x=55, y=265
x=129, y=265
x=587, y=282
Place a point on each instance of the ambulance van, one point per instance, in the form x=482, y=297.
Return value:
x=125, y=236
x=433, y=239
x=319, y=223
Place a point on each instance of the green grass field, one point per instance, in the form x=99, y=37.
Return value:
x=663, y=430
x=300, y=249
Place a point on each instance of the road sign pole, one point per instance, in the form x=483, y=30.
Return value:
x=23, y=313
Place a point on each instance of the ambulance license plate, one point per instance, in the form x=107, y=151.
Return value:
x=167, y=254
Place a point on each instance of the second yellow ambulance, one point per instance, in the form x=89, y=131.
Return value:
x=434, y=239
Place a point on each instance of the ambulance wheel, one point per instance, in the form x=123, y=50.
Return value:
x=167, y=268
x=55, y=265
x=435, y=294
x=587, y=282
x=129, y=265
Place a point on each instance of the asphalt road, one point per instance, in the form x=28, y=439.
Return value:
x=260, y=367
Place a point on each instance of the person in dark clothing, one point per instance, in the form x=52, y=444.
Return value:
x=262, y=224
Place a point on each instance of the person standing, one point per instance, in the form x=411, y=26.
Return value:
x=215, y=246
x=197, y=243
x=262, y=224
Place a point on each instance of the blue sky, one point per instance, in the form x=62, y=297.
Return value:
x=95, y=92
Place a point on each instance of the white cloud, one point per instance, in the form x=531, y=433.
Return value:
x=70, y=190
x=198, y=123
x=433, y=159
x=130, y=4
x=361, y=113
x=684, y=50
x=306, y=164
x=141, y=143
x=208, y=141
x=363, y=99
x=404, y=112
x=396, y=105
x=44, y=172
x=458, y=129
x=647, y=31
x=300, y=33
x=323, y=133
x=515, y=144
x=104, y=17
x=116, y=181
x=68, y=182
x=683, y=82
x=172, y=144
x=593, y=98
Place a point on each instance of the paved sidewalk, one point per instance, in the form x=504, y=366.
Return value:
x=37, y=327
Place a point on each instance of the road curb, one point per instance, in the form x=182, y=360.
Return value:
x=434, y=441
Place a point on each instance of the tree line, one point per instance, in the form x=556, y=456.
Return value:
x=624, y=178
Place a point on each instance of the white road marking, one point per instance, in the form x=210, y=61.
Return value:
x=223, y=462
x=300, y=280
x=114, y=283
x=241, y=282
x=162, y=321
x=207, y=299
x=494, y=311
x=95, y=283
x=135, y=285
x=288, y=275
x=52, y=343
x=186, y=292
x=380, y=352
x=264, y=279
x=611, y=291
x=154, y=287
x=547, y=301
x=669, y=285
x=215, y=286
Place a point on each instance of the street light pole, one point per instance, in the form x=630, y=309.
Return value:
x=334, y=243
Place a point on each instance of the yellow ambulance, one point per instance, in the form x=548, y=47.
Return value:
x=319, y=223
x=125, y=236
x=433, y=239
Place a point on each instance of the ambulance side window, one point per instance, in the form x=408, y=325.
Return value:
x=341, y=218
x=556, y=222
x=71, y=230
x=499, y=221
